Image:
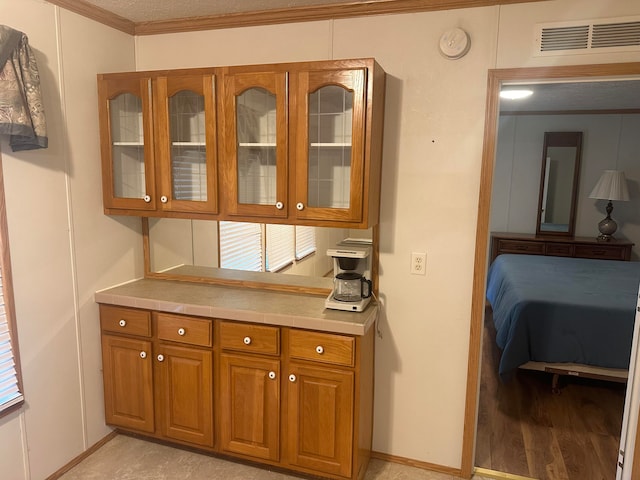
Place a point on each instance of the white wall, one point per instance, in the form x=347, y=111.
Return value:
x=610, y=142
x=433, y=142
x=434, y=123
x=62, y=247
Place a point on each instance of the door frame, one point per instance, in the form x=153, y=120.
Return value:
x=496, y=77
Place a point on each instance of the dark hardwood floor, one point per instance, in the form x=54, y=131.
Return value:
x=525, y=429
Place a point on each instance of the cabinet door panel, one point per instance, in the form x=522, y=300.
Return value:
x=255, y=106
x=186, y=396
x=330, y=149
x=250, y=406
x=128, y=387
x=320, y=419
x=186, y=123
x=127, y=143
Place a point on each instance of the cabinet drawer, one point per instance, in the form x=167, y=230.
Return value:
x=516, y=246
x=559, y=249
x=125, y=320
x=250, y=338
x=322, y=347
x=178, y=328
x=608, y=252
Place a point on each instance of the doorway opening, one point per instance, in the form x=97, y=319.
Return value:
x=498, y=78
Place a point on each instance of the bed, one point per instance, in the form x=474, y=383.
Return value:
x=562, y=313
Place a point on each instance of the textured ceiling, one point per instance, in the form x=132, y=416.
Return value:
x=155, y=10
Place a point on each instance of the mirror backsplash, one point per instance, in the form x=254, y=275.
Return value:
x=176, y=244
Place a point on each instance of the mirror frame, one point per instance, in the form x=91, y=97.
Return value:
x=561, y=139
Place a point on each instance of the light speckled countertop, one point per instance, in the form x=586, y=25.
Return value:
x=237, y=303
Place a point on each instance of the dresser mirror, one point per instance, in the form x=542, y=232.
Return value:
x=559, y=183
x=185, y=249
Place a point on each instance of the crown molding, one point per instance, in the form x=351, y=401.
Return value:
x=100, y=15
x=272, y=16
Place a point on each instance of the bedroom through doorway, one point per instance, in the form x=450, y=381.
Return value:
x=522, y=427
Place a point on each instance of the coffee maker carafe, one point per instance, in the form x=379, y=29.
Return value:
x=351, y=288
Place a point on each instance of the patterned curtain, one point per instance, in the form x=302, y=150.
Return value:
x=21, y=109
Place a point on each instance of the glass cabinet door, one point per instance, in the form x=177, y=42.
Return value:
x=330, y=150
x=255, y=116
x=187, y=143
x=127, y=145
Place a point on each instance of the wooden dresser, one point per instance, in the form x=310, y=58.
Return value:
x=579, y=247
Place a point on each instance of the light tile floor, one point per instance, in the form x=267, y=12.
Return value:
x=128, y=458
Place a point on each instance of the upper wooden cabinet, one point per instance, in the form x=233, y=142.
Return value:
x=303, y=142
x=186, y=147
x=158, y=143
x=126, y=143
x=297, y=143
x=255, y=139
x=330, y=150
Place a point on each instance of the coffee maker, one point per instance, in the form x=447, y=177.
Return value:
x=352, y=287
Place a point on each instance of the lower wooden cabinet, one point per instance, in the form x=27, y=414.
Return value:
x=250, y=406
x=184, y=393
x=297, y=399
x=320, y=419
x=128, y=383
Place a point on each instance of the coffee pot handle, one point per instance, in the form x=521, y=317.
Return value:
x=365, y=293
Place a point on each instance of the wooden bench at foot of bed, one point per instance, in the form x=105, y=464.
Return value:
x=577, y=370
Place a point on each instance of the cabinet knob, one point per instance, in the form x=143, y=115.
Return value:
x=143, y=354
x=279, y=205
x=319, y=349
x=147, y=198
x=164, y=199
x=122, y=323
x=292, y=378
x=160, y=357
x=300, y=206
x=247, y=340
x=181, y=331
x=272, y=375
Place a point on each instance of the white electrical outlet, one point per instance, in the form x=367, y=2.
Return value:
x=418, y=263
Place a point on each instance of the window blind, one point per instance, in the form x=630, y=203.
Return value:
x=10, y=393
x=258, y=247
x=279, y=246
x=189, y=174
x=305, y=241
x=241, y=246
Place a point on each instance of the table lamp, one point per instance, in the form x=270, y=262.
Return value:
x=612, y=185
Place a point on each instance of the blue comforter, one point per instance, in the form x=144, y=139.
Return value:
x=557, y=309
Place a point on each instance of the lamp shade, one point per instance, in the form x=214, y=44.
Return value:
x=611, y=186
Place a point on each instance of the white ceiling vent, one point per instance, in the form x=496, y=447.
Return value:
x=588, y=36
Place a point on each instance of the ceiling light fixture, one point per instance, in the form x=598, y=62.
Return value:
x=513, y=94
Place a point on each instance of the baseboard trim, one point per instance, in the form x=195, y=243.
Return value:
x=485, y=472
x=417, y=463
x=57, y=474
